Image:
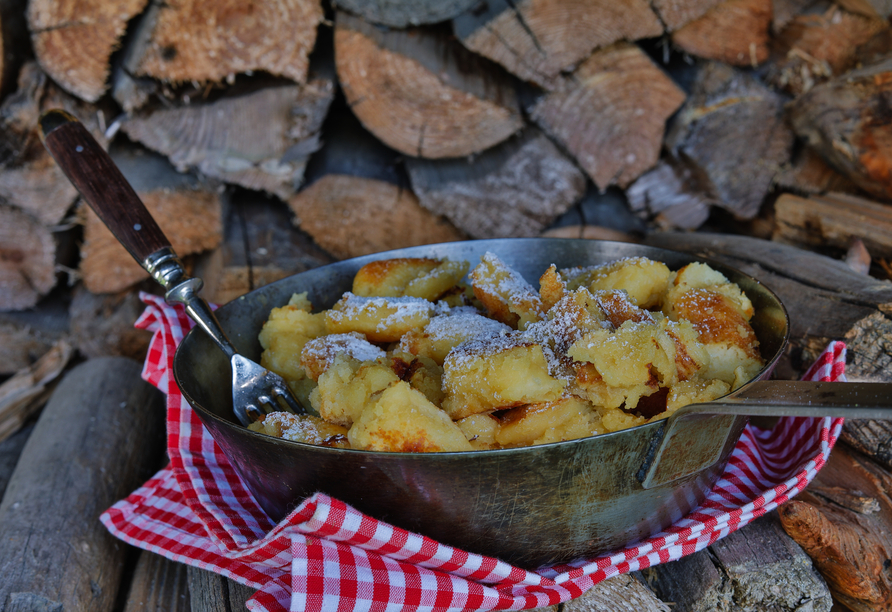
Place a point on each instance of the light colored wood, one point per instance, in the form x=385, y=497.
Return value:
x=538, y=39
x=676, y=13
x=197, y=40
x=158, y=585
x=732, y=134
x=422, y=93
x=73, y=40
x=403, y=13
x=350, y=216
x=734, y=31
x=27, y=259
x=260, y=140
x=617, y=594
x=839, y=119
x=833, y=220
x=817, y=47
x=612, y=118
x=670, y=196
x=517, y=188
x=99, y=437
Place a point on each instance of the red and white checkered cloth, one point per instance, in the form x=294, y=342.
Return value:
x=327, y=556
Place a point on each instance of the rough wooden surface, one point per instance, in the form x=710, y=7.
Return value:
x=102, y=324
x=671, y=196
x=158, y=585
x=617, y=594
x=213, y=593
x=613, y=115
x=402, y=13
x=517, y=188
x=421, y=92
x=27, y=259
x=28, y=334
x=676, y=13
x=98, y=438
x=743, y=26
x=10, y=451
x=807, y=173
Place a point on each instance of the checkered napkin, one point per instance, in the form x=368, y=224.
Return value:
x=326, y=555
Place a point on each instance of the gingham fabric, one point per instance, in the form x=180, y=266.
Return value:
x=327, y=556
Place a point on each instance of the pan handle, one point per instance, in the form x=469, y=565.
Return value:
x=676, y=452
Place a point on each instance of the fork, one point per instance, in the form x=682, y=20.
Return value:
x=256, y=391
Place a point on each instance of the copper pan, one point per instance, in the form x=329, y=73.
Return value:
x=529, y=506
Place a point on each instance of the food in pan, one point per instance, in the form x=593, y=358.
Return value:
x=416, y=359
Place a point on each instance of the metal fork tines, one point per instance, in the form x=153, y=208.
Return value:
x=257, y=391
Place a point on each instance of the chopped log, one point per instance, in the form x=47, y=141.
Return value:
x=670, y=197
x=675, y=14
x=210, y=592
x=260, y=140
x=869, y=8
x=536, y=40
x=24, y=394
x=403, y=13
x=260, y=245
x=10, y=451
x=833, y=220
x=27, y=259
x=808, y=173
x=822, y=296
x=187, y=211
x=783, y=12
x=843, y=520
x=27, y=335
x=158, y=584
x=191, y=40
x=876, y=49
x=734, y=32
x=846, y=121
x=421, y=92
x=612, y=116
x=731, y=132
x=102, y=324
x=617, y=594
x=517, y=188
x=98, y=438
x=74, y=41
x=754, y=569
x=816, y=47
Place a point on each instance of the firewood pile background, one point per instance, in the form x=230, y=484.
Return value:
x=272, y=136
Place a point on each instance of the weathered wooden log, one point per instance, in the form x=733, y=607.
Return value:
x=869, y=8
x=74, y=41
x=845, y=121
x=421, y=92
x=617, y=594
x=27, y=259
x=102, y=324
x=210, y=592
x=808, y=173
x=158, y=584
x=538, y=39
x=734, y=32
x=403, y=13
x=26, y=335
x=814, y=48
x=10, y=450
x=612, y=115
x=98, y=438
x=754, y=569
x=731, y=132
x=843, y=520
x=676, y=14
x=188, y=211
x=191, y=40
x=260, y=245
x=260, y=139
x=517, y=188
x=833, y=220
x=670, y=196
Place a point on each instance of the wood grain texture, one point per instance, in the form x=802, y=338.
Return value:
x=617, y=594
x=158, y=585
x=808, y=173
x=213, y=593
x=102, y=324
x=733, y=31
x=10, y=451
x=676, y=13
x=74, y=40
x=671, y=196
x=517, y=188
x=613, y=116
x=98, y=438
x=422, y=93
x=27, y=259
x=26, y=335
x=538, y=39
x=403, y=13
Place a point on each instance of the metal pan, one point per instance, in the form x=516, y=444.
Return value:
x=529, y=506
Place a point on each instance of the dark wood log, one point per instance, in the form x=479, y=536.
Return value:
x=260, y=245
x=98, y=438
x=210, y=592
x=612, y=115
x=808, y=173
x=198, y=41
x=843, y=520
x=676, y=14
x=845, y=120
x=10, y=450
x=158, y=585
x=617, y=594
x=734, y=32
x=27, y=259
x=74, y=41
x=403, y=13
x=754, y=569
x=670, y=196
x=16, y=47
x=259, y=140
x=834, y=220
x=869, y=8
x=538, y=39
x=422, y=93
x=517, y=188
x=783, y=12
x=814, y=47
x=731, y=132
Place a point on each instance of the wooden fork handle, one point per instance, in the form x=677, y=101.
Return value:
x=93, y=173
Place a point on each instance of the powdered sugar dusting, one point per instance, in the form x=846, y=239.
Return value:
x=353, y=344
x=352, y=306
